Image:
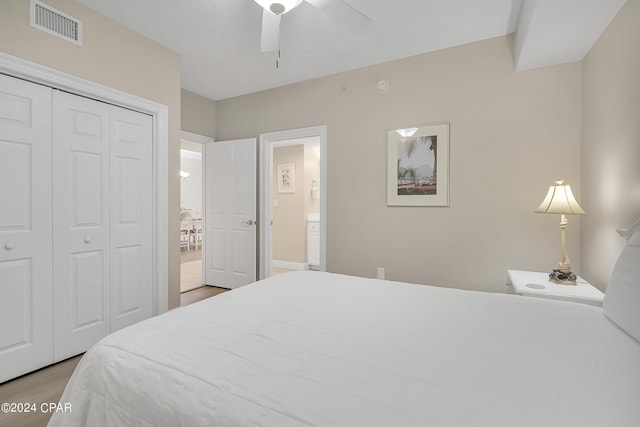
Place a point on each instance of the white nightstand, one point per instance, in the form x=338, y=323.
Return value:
x=533, y=284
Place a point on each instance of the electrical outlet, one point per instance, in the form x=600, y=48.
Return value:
x=380, y=273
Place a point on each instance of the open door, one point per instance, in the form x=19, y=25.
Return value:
x=229, y=254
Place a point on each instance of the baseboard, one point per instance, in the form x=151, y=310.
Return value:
x=298, y=266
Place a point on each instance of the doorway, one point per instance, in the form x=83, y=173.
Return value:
x=191, y=210
x=293, y=200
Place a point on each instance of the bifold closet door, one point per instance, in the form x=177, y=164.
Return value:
x=26, y=332
x=103, y=221
x=131, y=217
x=81, y=231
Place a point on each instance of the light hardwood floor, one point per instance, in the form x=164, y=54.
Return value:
x=199, y=294
x=189, y=256
x=190, y=270
x=46, y=385
x=41, y=387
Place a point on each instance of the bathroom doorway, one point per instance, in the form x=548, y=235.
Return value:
x=293, y=201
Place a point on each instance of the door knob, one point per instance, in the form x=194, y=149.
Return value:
x=9, y=246
x=87, y=240
x=248, y=222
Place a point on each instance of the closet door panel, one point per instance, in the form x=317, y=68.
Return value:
x=131, y=217
x=81, y=223
x=25, y=227
x=15, y=180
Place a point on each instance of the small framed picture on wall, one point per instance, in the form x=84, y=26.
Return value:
x=286, y=178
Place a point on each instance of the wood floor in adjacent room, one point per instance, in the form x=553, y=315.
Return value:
x=190, y=270
x=47, y=385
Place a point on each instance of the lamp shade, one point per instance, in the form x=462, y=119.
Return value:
x=287, y=5
x=560, y=200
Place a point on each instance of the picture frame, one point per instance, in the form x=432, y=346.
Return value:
x=418, y=166
x=286, y=178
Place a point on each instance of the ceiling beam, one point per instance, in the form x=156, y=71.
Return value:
x=560, y=31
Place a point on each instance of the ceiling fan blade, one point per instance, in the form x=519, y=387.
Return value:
x=269, y=41
x=343, y=13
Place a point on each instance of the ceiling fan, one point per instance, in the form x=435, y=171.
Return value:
x=274, y=9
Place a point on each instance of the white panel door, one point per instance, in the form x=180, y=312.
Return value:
x=81, y=223
x=131, y=217
x=230, y=206
x=26, y=332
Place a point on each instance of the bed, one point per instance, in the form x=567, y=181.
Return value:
x=321, y=349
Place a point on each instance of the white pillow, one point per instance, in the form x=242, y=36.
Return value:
x=622, y=298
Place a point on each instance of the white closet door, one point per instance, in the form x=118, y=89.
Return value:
x=26, y=332
x=81, y=223
x=131, y=217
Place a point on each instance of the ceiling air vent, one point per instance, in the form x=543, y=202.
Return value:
x=51, y=20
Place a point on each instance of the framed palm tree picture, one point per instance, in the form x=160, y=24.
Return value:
x=418, y=166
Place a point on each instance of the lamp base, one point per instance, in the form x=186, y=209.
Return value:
x=562, y=277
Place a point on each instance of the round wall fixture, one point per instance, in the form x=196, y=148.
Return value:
x=382, y=86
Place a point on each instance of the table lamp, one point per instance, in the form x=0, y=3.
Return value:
x=560, y=200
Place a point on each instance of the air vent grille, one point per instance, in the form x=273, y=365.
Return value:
x=54, y=22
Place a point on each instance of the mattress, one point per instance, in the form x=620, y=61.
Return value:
x=321, y=349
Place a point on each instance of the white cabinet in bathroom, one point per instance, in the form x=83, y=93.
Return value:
x=313, y=244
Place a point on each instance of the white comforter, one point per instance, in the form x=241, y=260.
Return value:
x=319, y=349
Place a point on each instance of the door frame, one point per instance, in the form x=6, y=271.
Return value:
x=36, y=73
x=266, y=144
x=202, y=140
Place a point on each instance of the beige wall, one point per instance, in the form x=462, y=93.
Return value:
x=512, y=135
x=198, y=114
x=191, y=187
x=289, y=240
x=115, y=57
x=611, y=142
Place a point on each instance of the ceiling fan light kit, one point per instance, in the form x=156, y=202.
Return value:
x=278, y=7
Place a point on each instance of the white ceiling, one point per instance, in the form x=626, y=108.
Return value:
x=219, y=40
